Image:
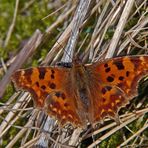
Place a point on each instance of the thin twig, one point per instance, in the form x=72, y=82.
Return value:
x=120, y=26
x=12, y=24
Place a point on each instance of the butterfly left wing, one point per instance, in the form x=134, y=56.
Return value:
x=49, y=87
x=115, y=82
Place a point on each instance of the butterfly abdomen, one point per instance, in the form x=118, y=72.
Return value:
x=84, y=97
x=80, y=83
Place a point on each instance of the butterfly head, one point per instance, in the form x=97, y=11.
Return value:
x=77, y=62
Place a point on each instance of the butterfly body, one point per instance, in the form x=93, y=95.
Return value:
x=80, y=79
x=83, y=94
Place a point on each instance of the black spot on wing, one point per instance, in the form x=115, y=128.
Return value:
x=58, y=94
x=121, y=78
x=66, y=104
x=52, y=85
x=52, y=71
x=103, y=99
x=103, y=90
x=52, y=76
x=119, y=65
x=42, y=72
x=127, y=73
x=110, y=79
x=28, y=74
x=37, y=84
x=63, y=96
x=43, y=87
x=106, y=88
x=107, y=69
x=105, y=65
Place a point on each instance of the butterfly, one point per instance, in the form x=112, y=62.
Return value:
x=83, y=93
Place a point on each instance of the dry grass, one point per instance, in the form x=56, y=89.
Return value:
x=118, y=28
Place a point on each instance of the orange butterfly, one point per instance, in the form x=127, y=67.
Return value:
x=84, y=93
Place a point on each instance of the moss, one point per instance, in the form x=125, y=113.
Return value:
x=115, y=140
x=109, y=34
x=112, y=141
x=8, y=93
x=27, y=22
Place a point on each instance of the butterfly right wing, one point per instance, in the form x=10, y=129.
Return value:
x=51, y=91
x=113, y=83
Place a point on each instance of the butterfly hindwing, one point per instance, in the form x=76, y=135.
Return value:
x=107, y=102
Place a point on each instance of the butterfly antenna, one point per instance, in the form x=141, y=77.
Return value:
x=64, y=50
